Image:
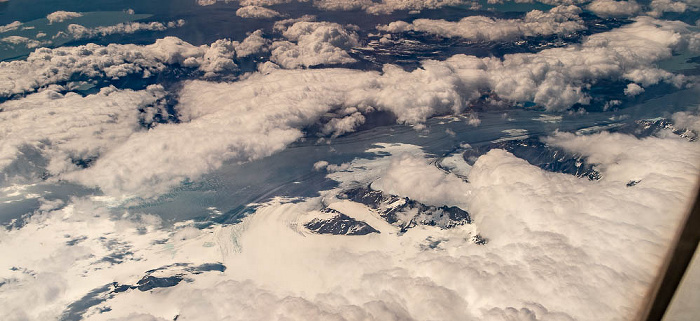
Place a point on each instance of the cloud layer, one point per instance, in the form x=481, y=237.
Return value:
x=73, y=128
x=314, y=43
x=47, y=66
x=60, y=16
x=611, y=8
x=80, y=32
x=266, y=111
x=369, y=6
x=554, y=241
x=257, y=12
x=559, y=20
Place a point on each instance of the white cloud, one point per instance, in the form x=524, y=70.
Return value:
x=240, y=121
x=282, y=25
x=246, y=3
x=559, y=20
x=262, y=114
x=257, y=12
x=385, y=6
x=549, y=2
x=262, y=3
x=344, y=5
x=686, y=120
x=473, y=120
x=10, y=26
x=347, y=124
x=314, y=43
x=633, y=89
x=79, y=32
x=19, y=40
x=254, y=43
x=612, y=8
x=369, y=6
x=413, y=177
x=558, y=82
x=219, y=57
x=72, y=127
x=617, y=156
x=554, y=241
x=47, y=66
x=266, y=111
x=60, y=16
x=660, y=6
x=545, y=118
x=320, y=165
x=555, y=78
x=76, y=32
x=70, y=249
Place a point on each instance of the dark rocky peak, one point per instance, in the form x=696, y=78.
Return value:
x=540, y=154
x=405, y=212
x=650, y=127
x=339, y=224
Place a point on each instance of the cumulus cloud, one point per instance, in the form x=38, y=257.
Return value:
x=263, y=3
x=254, y=43
x=10, y=26
x=80, y=32
x=60, y=16
x=612, y=8
x=555, y=78
x=385, y=6
x=658, y=7
x=320, y=165
x=47, y=66
x=549, y=2
x=19, y=40
x=633, y=89
x=347, y=124
x=257, y=12
x=246, y=3
x=314, y=43
x=76, y=32
x=559, y=20
x=369, y=6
